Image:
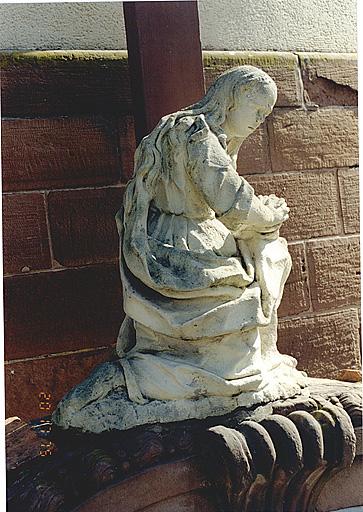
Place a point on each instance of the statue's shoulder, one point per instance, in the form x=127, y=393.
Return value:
x=195, y=127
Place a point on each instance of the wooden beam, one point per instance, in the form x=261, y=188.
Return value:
x=165, y=59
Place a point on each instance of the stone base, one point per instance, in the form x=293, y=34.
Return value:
x=285, y=456
x=93, y=406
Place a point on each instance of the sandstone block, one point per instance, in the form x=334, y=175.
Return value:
x=254, y=156
x=59, y=153
x=63, y=310
x=343, y=492
x=281, y=66
x=350, y=375
x=296, y=293
x=322, y=344
x=48, y=83
x=52, y=376
x=323, y=138
x=330, y=78
x=82, y=225
x=349, y=196
x=127, y=144
x=25, y=233
x=334, y=271
x=58, y=83
x=313, y=200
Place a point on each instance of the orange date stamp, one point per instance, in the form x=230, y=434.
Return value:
x=45, y=403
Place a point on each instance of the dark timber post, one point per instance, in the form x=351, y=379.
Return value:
x=165, y=59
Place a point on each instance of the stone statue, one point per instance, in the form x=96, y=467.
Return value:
x=203, y=270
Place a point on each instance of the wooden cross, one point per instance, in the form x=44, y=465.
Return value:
x=165, y=59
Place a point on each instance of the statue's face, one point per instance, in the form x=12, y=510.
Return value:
x=254, y=106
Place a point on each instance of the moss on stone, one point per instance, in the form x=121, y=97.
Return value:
x=259, y=59
x=49, y=58
x=316, y=57
x=211, y=59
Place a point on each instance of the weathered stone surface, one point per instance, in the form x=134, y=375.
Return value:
x=279, y=463
x=349, y=196
x=334, y=270
x=330, y=78
x=59, y=153
x=62, y=83
x=25, y=233
x=296, y=297
x=140, y=492
x=254, y=156
x=343, y=490
x=239, y=462
x=322, y=344
x=58, y=83
x=82, y=225
x=52, y=376
x=323, y=138
x=202, y=501
x=281, y=66
x=350, y=375
x=313, y=200
x=51, y=312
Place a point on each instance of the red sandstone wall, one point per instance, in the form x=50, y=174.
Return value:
x=67, y=153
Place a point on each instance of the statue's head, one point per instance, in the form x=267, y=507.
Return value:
x=239, y=100
x=234, y=106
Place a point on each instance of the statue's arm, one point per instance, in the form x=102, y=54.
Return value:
x=269, y=217
x=228, y=194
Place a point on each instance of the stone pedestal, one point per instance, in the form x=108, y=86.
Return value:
x=298, y=454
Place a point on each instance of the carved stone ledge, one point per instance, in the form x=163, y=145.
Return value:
x=275, y=457
x=281, y=462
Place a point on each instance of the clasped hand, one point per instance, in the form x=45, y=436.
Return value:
x=266, y=215
x=279, y=209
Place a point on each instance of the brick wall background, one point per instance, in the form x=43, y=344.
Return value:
x=67, y=154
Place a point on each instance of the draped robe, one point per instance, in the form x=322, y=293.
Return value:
x=201, y=289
